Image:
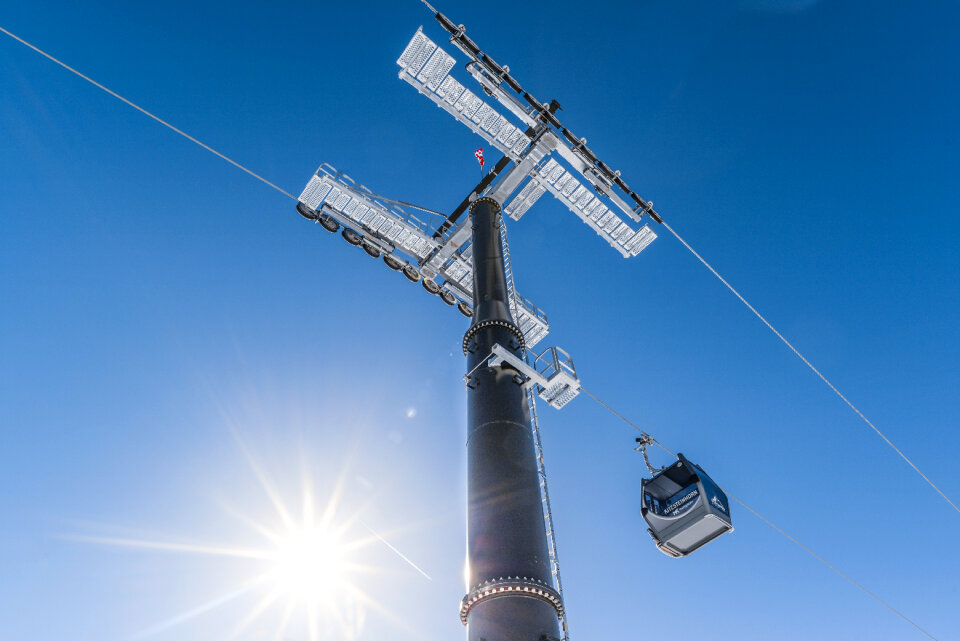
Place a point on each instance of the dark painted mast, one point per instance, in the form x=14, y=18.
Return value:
x=510, y=595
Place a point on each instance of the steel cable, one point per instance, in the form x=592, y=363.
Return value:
x=771, y=523
x=814, y=369
x=801, y=356
x=188, y=136
x=147, y=113
x=685, y=244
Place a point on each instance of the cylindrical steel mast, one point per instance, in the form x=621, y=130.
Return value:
x=510, y=592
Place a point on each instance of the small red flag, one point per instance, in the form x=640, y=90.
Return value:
x=479, y=154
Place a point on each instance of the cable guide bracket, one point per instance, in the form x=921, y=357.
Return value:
x=643, y=442
x=551, y=375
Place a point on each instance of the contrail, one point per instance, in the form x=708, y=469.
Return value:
x=395, y=550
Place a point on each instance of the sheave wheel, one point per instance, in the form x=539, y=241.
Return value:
x=306, y=212
x=431, y=286
x=411, y=273
x=371, y=249
x=329, y=224
x=351, y=236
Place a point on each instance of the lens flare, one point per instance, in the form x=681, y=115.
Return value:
x=305, y=566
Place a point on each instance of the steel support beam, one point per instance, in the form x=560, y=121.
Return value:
x=510, y=590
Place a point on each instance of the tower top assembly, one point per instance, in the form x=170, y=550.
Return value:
x=539, y=155
x=546, y=155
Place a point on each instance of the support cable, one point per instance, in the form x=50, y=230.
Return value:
x=185, y=134
x=652, y=440
x=682, y=241
x=147, y=113
x=814, y=369
x=648, y=209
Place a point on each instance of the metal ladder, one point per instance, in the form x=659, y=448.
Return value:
x=535, y=424
x=508, y=271
x=547, y=514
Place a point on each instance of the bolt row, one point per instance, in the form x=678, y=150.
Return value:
x=526, y=588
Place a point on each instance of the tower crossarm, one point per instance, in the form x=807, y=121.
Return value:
x=353, y=205
x=553, y=177
x=443, y=257
x=534, y=143
x=494, y=76
x=426, y=67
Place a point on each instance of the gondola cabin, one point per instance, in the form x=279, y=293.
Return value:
x=684, y=508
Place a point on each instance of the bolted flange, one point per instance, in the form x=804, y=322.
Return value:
x=511, y=586
x=492, y=323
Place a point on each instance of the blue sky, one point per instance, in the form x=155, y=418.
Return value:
x=162, y=311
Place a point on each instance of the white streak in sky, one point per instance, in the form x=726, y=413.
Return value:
x=396, y=551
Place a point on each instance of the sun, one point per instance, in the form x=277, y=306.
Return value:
x=310, y=567
x=305, y=566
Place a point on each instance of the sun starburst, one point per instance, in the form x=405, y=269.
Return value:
x=306, y=567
